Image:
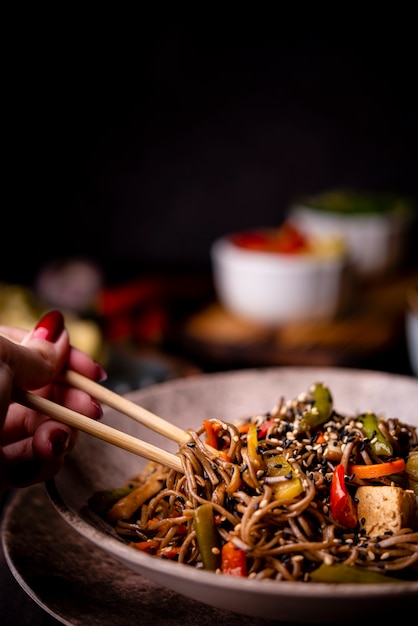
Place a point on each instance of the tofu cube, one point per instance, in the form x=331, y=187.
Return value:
x=385, y=508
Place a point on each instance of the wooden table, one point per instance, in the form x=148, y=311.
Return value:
x=368, y=333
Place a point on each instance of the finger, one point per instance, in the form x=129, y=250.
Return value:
x=24, y=463
x=84, y=364
x=52, y=441
x=23, y=422
x=77, y=360
x=77, y=400
x=41, y=354
x=13, y=333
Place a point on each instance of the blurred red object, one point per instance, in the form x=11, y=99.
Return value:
x=136, y=311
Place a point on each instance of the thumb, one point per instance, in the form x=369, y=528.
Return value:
x=41, y=354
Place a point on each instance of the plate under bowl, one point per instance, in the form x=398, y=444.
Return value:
x=96, y=465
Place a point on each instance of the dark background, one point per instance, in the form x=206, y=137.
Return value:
x=137, y=149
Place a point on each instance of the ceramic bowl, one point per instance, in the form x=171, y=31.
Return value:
x=96, y=465
x=373, y=228
x=275, y=288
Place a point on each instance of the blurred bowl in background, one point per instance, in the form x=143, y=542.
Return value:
x=412, y=327
x=374, y=227
x=261, y=278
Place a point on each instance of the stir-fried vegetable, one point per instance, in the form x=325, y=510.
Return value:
x=321, y=408
x=342, y=505
x=378, y=442
x=234, y=561
x=340, y=573
x=207, y=537
x=290, y=485
x=412, y=472
x=376, y=470
x=300, y=493
x=252, y=446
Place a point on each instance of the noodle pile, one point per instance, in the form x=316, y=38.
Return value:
x=285, y=535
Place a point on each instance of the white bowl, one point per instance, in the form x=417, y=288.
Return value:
x=412, y=328
x=274, y=288
x=96, y=465
x=375, y=240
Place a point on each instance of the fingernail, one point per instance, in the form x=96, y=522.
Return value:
x=22, y=473
x=59, y=442
x=101, y=374
x=49, y=327
x=99, y=409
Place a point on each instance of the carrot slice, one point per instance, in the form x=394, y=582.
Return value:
x=211, y=438
x=376, y=470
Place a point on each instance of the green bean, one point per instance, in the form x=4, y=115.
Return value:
x=321, y=408
x=378, y=442
x=208, y=539
x=340, y=573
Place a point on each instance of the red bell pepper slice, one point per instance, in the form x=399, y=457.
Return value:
x=342, y=505
x=262, y=431
x=234, y=561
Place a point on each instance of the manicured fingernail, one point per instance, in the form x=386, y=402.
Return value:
x=101, y=374
x=22, y=473
x=59, y=442
x=98, y=407
x=49, y=327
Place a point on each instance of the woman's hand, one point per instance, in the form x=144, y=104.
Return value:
x=33, y=446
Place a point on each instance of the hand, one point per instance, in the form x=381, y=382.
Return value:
x=33, y=446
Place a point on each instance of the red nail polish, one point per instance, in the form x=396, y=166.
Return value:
x=49, y=327
x=99, y=409
x=59, y=442
x=101, y=374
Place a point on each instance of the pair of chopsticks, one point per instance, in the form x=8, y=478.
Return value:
x=103, y=431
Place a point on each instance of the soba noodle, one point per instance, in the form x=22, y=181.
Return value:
x=283, y=535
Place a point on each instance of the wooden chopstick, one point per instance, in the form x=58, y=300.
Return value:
x=125, y=406
x=102, y=431
x=98, y=429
